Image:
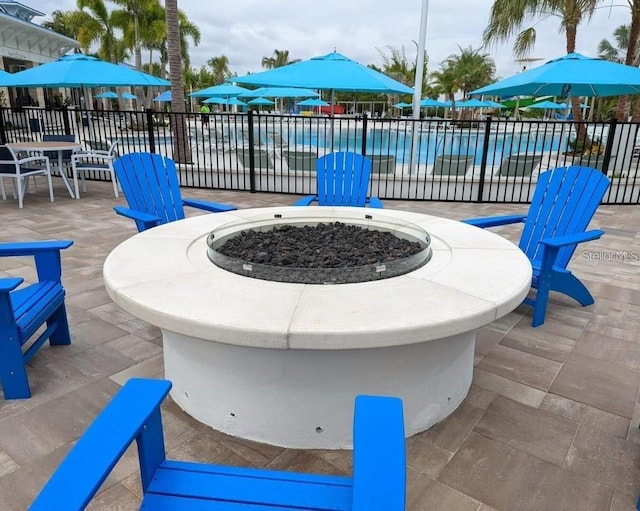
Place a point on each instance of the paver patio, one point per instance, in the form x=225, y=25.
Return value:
x=550, y=423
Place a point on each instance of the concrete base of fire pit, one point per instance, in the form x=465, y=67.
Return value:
x=281, y=363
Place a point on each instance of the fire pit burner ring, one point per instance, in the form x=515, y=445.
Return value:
x=297, y=248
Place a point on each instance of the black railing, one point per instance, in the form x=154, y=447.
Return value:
x=492, y=160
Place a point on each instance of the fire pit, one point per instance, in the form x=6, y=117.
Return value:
x=290, y=248
x=280, y=362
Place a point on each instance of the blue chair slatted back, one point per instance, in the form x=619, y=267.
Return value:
x=343, y=179
x=66, y=155
x=564, y=202
x=150, y=184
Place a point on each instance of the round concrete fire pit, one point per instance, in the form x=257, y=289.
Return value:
x=281, y=362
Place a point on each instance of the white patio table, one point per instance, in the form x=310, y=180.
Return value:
x=42, y=147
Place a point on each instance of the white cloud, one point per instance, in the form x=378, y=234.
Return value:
x=248, y=30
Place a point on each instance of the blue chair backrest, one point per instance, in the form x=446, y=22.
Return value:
x=343, y=179
x=564, y=202
x=150, y=184
x=6, y=155
x=66, y=155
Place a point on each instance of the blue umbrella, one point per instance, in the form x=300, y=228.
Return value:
x=222, y=90
x=472, y=103
x=164, y=97
x=223, y=101
x=261, y=101
x=279, y=92
x=432, y=103
x=494, y=104
x=80, y=70
x=128, y=95
x=548, y=105
x=401, y=105
x=328, y=72
x=107, y=95
x=312, y=102
x=572, y=74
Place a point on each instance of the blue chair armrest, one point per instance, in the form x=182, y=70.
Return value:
x=374, y=202
x=131, y=413
x=32, y=247
x=306, y=201
x=493, y=221
x=9, y=284
x=379, y=456
x=572, y=239
x=215, y=207
x=138, y=216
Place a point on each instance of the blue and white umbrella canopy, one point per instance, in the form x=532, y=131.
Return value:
x=548, y=105
x=279, y=92
x=128, y=95
x=572, y=74
x=222, y=90
x=80, y=70
x=402, y=104
x=494, y=104
x=333, y=71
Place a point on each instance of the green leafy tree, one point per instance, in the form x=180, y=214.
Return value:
x=280, y=58
x=219, y=69
x=96, y=25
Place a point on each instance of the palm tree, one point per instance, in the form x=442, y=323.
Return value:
x=181, y=149
x=133, y=12
x=608, y=51
x=396, y=65
x=507, y=18
x=64, y=22
x=464, y=72
x=280, y=58
x=220, y=69
x=98, y=26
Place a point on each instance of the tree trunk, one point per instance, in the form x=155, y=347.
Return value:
x=624, y=102
x=181, y=147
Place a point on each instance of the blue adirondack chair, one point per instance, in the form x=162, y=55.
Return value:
x=379, y=464
x=564, y=201
x=23, y=312
x=343, y=180
x=150, y=184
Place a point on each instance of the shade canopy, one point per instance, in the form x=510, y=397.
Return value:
x=432, y=103
x=572, y=74
x=224, y=101
x=80, y=70
x=402, y=104
x=128, y=95
x=548, y=105
x=222, y=90
x=279, y=92
x=472, y=103
x=494, y=104
x=165, y=97
x=312, y=102
x=261, y=101
x=107, y=95
x=333, y=71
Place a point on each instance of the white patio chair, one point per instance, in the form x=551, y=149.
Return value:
x=20, y=170
x=97, y=158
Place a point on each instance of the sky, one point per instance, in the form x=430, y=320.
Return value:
x=248, y=30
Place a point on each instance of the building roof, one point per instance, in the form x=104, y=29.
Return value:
x=22, y=39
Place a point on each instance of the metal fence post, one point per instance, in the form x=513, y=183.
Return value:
x=364, y=134
x=150, y=133
x=613, y=125
x=483, y=162
x=3, y=131
x=252, y=156
x=65, y=120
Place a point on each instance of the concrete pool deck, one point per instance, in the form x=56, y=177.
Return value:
x=550, y=422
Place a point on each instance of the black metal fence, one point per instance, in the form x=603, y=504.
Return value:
x=491, y=160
